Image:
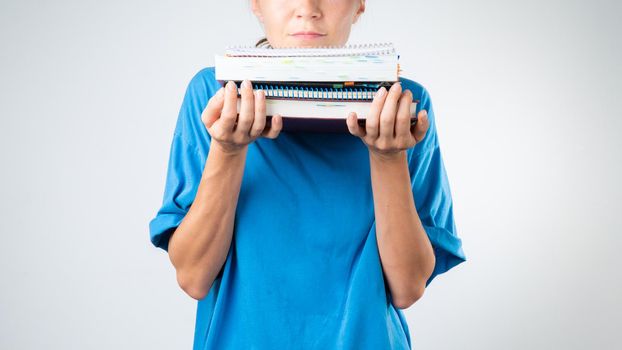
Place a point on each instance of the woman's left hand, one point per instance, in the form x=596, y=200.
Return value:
x=387, y=130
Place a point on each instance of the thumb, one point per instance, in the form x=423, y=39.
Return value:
x=421, y=127
x=212, y=111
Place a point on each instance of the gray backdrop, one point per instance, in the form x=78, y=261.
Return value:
x=527, y=100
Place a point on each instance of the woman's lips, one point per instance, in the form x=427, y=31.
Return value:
x=308, y=35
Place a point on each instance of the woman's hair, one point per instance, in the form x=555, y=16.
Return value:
x=263, y=42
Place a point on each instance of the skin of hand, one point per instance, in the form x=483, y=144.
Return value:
x=387, y=130
x=232, y=133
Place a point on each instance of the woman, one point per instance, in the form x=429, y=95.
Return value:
x=301, y=240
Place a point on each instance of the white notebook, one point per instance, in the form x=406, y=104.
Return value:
x=363, y=62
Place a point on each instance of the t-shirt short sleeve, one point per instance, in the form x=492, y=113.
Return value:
x=432, y=196
x=187, y=156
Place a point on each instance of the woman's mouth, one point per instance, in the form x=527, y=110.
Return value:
x=307, y=35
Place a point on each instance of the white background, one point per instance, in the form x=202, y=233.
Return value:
x=527, y=99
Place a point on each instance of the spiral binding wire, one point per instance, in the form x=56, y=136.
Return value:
x=319, y=93
x=378, y=48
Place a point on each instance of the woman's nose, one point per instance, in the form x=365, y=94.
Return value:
x=308, y=9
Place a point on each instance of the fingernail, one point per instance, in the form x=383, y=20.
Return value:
x=231, y=85
x=246, y=84
x=381, y=92
x=259, y=93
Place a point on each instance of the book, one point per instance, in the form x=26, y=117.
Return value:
x=314, y=89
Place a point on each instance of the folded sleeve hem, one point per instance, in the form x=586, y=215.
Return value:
x=447, y=250
x=162, y=227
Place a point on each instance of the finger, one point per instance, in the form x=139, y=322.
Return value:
x=402, y=123
x=353, y=125
x=421, y=128
x=212, y=111
x=230, y=109
x=387, y=116
x=373, y=118
x=276, y=124
x=247, y=109
x=259, y=124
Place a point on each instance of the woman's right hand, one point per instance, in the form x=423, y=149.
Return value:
x=232, y=132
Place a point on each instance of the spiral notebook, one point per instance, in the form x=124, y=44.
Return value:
x=314, y=89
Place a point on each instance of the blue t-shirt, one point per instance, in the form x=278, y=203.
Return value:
x=303, y=270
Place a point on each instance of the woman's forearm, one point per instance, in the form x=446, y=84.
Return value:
x=200, y=244
x=405, y=250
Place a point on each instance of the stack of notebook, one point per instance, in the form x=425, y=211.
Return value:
x=314, y=89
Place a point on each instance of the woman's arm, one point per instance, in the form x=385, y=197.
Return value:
x=404, y=247
x=405, y=250
x=199, y=246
